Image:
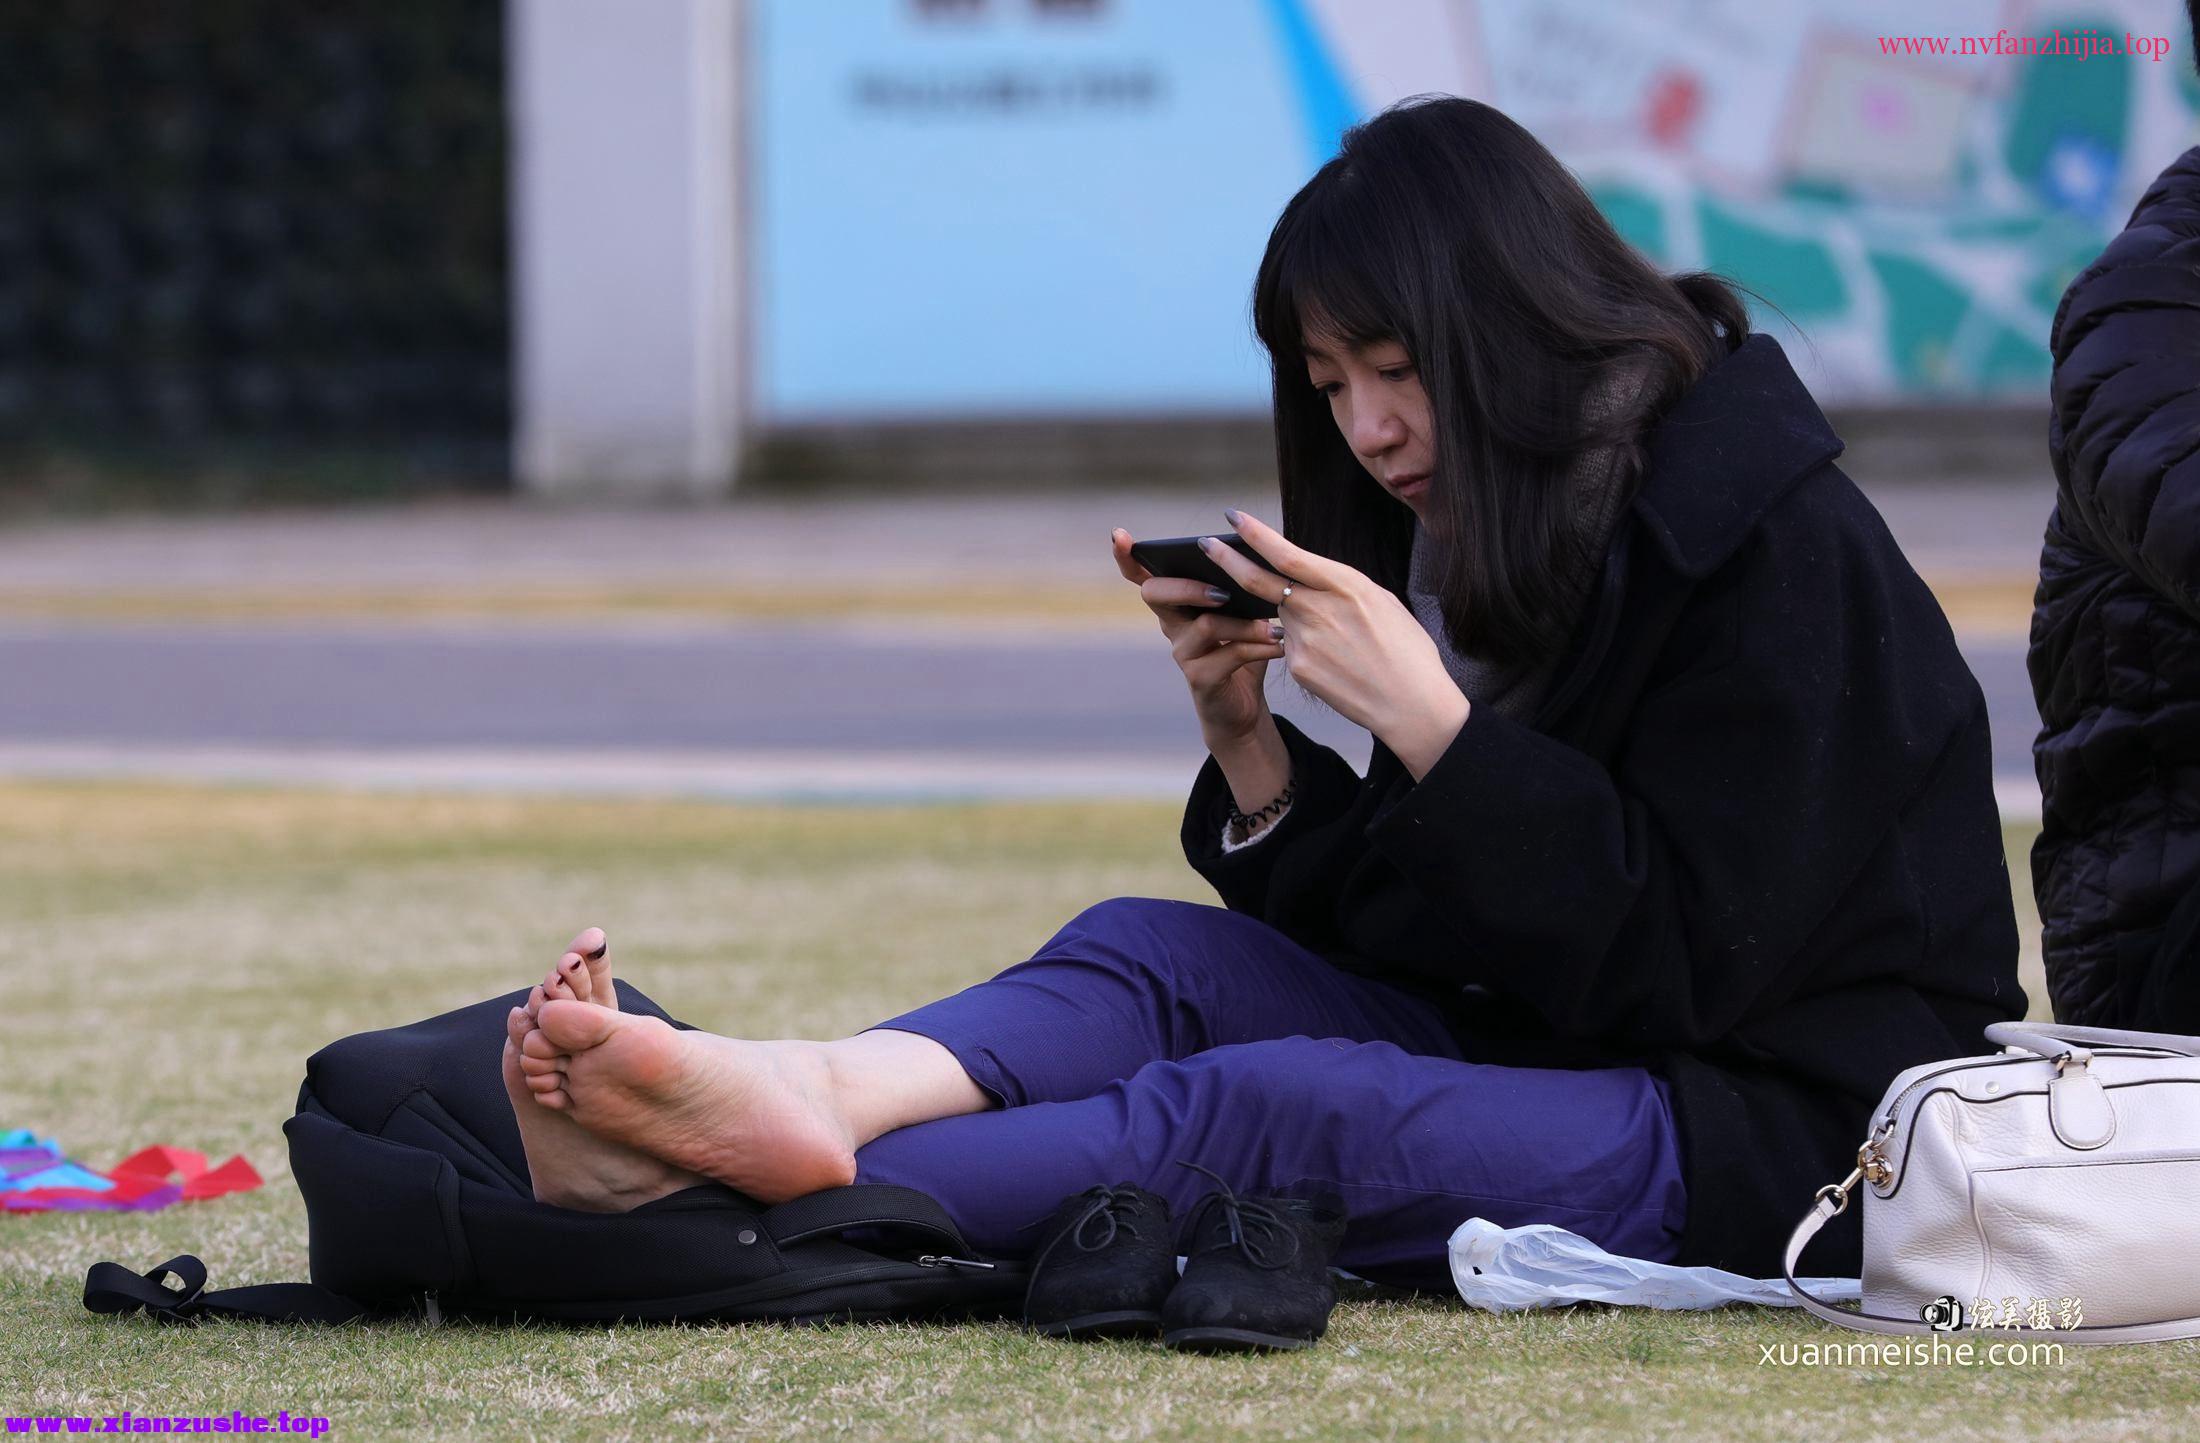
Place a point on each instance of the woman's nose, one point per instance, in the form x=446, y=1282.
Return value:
x=1377, y=433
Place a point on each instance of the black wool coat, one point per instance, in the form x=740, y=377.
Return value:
x=2115, y=656
x=1749, y=841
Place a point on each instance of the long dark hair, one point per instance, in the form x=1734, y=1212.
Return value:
x=1444, y=226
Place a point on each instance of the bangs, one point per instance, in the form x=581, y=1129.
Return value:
x=1320, y=278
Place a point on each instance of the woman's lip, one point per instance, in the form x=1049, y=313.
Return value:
x=1410, y=483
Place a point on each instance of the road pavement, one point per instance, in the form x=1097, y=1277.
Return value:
x=729, y=708
x=845, y=648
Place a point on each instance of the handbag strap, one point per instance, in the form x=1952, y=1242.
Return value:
x=2050, y=1039
x=113, y=1288
x=1827, y=1207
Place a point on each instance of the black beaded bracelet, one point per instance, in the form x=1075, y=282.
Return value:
x=1245, y=823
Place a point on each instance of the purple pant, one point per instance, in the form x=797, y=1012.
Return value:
x=1150, y=1032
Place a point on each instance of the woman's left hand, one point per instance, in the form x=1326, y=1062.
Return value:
x=1352, y=643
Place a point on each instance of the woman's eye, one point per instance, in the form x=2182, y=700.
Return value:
x=1393, y=373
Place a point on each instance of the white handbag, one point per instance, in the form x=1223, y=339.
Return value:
x=2052, y=1186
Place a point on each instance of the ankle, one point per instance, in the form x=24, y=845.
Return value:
x=851, y=1091
x=884, y=1079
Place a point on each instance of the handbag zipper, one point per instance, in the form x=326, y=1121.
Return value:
x=1894, y=1108
x=1871, y=1159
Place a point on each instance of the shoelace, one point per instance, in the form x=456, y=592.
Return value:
x=1255, y=1228
x=1106, y=1207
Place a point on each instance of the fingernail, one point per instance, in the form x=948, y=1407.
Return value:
x=1275, y=631
x=1207, y=543
x=1230, y=514
x=1216, y=593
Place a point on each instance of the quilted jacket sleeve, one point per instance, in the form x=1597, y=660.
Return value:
x=2124, y=430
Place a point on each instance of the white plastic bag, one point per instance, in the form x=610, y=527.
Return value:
x=1507, y=1270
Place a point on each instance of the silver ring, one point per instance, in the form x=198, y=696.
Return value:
x=1286, y=595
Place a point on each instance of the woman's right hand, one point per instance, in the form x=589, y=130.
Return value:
x=1224, y=658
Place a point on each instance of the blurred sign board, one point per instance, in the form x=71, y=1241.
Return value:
x=993, y=208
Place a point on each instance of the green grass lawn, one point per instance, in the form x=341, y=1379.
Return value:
x=172, y=957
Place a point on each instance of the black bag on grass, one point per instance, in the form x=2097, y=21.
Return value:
x=417, y=1203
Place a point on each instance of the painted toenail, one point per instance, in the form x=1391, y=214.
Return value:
x=597, y=955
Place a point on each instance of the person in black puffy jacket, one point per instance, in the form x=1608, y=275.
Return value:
x=2115, y=645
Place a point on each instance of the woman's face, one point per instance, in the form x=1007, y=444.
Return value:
x=1381, y=411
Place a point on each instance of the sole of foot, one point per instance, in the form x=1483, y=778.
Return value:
x=568, y=1166
x=756, y=1116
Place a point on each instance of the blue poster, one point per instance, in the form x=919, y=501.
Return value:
x=1005, y=207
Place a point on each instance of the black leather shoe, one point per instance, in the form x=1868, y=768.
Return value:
x=1256, y=1275
x=1104, y=1266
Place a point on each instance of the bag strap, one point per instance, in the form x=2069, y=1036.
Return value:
x=113, y=1288
x=862, y=1205
x=2052, y=1039
x=1833, y=1199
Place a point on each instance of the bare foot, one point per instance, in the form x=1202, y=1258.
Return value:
x=759, y=1117
x=568, y=1164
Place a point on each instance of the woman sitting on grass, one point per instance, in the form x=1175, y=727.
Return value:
x=1678, y=839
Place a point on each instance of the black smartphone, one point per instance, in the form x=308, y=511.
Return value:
x=1181, y=556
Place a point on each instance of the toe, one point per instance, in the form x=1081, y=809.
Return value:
x=576, y=1027
x=555, y=987
x=517, y=1024
x=556, y=1101
x=593, y=982
x=573, y=972
x=535, y=1047
x=548, y=1082
x=535, y=999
